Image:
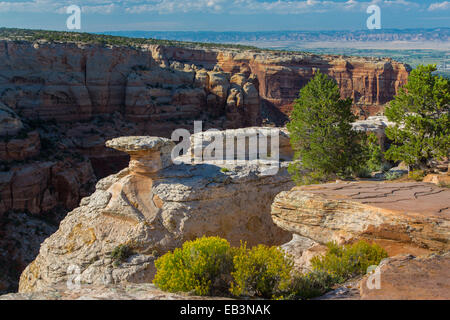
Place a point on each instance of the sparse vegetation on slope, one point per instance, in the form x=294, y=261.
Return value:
x=90, y=38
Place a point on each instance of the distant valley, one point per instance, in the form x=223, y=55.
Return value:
x=411, y=46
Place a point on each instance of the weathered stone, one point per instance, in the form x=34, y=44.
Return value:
x=10, y=123
x=153, y=214
x=409, y=214
x=406, y=277
x=147, y=154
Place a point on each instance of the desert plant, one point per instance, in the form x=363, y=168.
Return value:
x=393, y=175
x=120, y=254
x=261, y=271
x=321, y=134
x=416, y=175
x=309, y=285
x=374, y=154
x=420, y=112
x=202, y=266
x=344, y=262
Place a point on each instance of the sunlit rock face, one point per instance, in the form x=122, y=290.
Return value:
x=153, y=206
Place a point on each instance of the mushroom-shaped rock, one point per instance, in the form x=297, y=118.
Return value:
x=147, y=154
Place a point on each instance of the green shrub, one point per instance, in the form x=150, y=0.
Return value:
x=261, y=271
x=120, y=254
x=393, y=175
x=364, y=173
x=345, y=262
x=417, y=175
x=202, y=266
x=224, y=170
x=310, y=285
x=374, y=153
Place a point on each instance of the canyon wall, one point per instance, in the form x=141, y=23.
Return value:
x=60, y=102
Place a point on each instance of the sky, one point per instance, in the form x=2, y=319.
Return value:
x=223, y=15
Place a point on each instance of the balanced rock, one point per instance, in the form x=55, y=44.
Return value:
x=151, y=208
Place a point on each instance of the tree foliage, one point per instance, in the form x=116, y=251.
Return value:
x=421, y=115
x=321, y=134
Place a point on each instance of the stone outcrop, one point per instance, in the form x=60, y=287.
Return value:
x=10, y=123
x=406, y=277
x=403, y=217
x=153, y=207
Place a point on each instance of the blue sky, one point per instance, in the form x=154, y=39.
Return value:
x=223, y=15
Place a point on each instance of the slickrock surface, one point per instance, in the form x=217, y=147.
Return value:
x=126, y=291
x=402, y=214
x=406, y=277
x=156, y=211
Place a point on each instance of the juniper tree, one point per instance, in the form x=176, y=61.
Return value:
x=420, y=112
x=325, y=145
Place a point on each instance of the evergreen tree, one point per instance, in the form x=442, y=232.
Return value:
x=421, y=115
x=325, y=145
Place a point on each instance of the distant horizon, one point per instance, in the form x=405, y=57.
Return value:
x=224, y=15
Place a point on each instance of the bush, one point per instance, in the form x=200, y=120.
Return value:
x=310, y=285
x=374, y=154
x=417, y=175
x=209, y=266
x=345, y=262
x=393, y=175
x=261, y=271
x=364, y=173
x=325, y=145
x=120, y=254
x=202, y=266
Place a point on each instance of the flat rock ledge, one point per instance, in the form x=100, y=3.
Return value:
x=407, y=217
x=125, y=291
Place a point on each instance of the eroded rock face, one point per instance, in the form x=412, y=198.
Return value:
x=405, y=216
x=71, y=82
x=406, y=277
x=156, y=211
x=10, y=123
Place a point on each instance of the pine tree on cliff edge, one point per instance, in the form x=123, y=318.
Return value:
x=421, y=113
x=325, y=145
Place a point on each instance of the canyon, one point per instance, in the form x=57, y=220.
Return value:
x=61, y=101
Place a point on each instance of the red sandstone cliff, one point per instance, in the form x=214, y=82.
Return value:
x=64, y=98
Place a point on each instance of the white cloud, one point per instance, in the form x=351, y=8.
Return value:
x=203, y=6
x=439, y=6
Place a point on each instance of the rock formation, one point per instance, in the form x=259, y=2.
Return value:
x=406, y=277
x=403, y=217
x=153, y=207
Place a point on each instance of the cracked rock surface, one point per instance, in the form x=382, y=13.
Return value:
x=409, y=217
